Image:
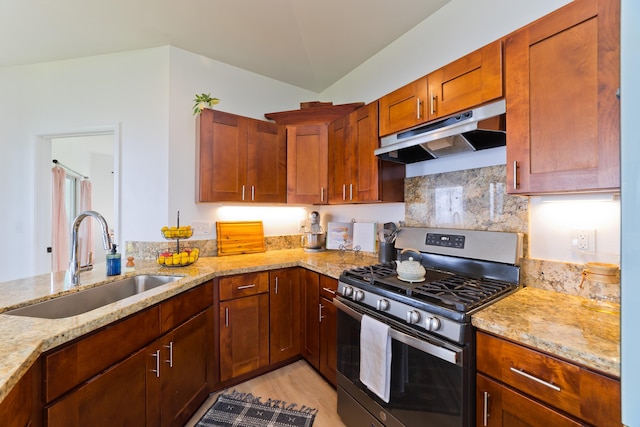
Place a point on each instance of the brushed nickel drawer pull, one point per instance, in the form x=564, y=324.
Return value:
x=253, y=285
x=157, y=370
x=485, y=410
x=538, y=380
x=170, y=360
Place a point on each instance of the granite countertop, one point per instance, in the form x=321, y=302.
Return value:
x=578, y=329
x=24, y=339
x=581, y=330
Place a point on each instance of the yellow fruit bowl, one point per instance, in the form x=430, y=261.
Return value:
x=183, y=258
x=182, y=232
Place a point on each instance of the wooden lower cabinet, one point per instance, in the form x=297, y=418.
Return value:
x=319, y=323
x=497, y=405
x=520, y=386
x=284, y=314
x=20, y=408
x=244, y=335
x=116, y=397
x=89, y=381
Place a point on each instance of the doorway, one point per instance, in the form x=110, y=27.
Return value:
x=94, y=154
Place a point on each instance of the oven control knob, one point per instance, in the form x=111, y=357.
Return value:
x=433, y=324
x=347, y=291
x=358, y=295
x=382, y=304
x=413, y=317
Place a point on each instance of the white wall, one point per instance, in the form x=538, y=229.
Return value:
x=630, y=49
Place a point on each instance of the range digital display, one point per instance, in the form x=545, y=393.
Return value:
x=445, y=240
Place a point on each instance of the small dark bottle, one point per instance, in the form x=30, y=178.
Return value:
x=113, y=261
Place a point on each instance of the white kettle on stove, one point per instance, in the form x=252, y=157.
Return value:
x=410, y=270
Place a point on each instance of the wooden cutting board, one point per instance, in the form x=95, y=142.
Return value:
x=240, y=237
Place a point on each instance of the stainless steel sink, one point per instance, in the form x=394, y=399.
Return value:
x=90, y=299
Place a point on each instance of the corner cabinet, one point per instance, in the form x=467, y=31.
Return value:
x=240, y=159
x=358, y=176
x=516, y=385
x=563, y=113
x=284, y=314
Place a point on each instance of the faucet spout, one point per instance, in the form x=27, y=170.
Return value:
x=74, y=264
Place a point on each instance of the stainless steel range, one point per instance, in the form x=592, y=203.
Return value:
x=425, y=375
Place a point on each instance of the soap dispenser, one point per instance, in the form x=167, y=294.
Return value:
x=113, y=261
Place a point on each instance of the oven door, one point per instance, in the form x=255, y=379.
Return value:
x=431, y=383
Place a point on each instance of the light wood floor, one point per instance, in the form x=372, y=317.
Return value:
x=296, y=383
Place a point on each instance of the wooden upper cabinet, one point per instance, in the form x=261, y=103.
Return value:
x=358, y=176
x=240, y=159
x=307, y=160
x=563, y=116
x=472, y=80
x=404, y=107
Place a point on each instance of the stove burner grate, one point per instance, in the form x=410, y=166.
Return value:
x=461, y=293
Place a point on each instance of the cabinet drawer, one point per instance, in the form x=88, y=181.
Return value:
x=243, y=285
x=77, y=362
x=585, y=394
x=180, y=308
x=328, y=287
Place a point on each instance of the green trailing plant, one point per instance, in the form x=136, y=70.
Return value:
x=202, y=101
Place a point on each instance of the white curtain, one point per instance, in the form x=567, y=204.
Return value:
x=85, y=232
x=60, y=223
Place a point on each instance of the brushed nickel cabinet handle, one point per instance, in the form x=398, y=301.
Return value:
x=515, y=175
x=170, y=360
x=344, y=191
x=253, y=285
x=253, y=193
x=418, y=109
x=322, y=194
x=226, y=317
x=276, y=285
x=350, y=191
x=432, y=103
x=320, y=316
x=157, y=370
x=243, y=193
x=485, y=409
x=536, y=379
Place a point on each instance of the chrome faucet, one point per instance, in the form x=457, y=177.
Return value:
x=74, y=264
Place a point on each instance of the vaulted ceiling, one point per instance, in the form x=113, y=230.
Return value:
x=309, y=44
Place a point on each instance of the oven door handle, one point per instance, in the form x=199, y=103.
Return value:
x=424, y=346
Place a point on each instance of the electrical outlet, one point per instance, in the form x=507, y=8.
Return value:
x=584, y=241
x=201, y=227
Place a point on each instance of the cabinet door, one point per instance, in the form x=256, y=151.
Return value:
x=244, y=335
x=116, y=397
x=471, y=80
x=222, y=156
x=365, y=174
x=20, y=407
x=284, y=314
x=328, y=340
x=404, y=107
x=267, y=162
x=498, y=406
x=563, y=115
x=184, y=371
x=307, y=160
x=311, y=317
x=341, y=158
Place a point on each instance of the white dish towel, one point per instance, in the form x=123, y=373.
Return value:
x=375, y=356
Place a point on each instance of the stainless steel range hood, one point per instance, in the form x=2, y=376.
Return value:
x=472, y=130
